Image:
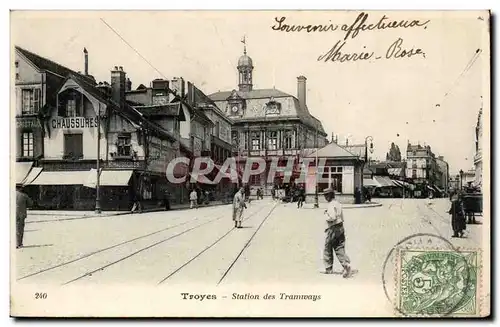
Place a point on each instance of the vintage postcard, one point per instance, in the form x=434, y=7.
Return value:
x=250, y=164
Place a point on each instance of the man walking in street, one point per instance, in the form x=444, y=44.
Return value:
x=22, y=204
x=458, y=223
x=335, y=235
x=193, y=199
x=300, y=196
x=238, y=206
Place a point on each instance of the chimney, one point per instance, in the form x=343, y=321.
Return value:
x=178, y=86
x=128, y=85
x=159, y=84
x=118, y=85
x=86, y=54
x=105, y=88
x=301, y=91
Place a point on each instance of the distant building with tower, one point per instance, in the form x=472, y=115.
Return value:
x=268, y=123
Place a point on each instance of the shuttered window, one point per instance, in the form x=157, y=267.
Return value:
x=31, y=99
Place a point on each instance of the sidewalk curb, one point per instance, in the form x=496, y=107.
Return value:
x=361, y=206
x=346, y=206
x=113, y=214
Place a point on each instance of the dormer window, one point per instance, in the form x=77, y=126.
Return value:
x=273, y=107
x=71, y=108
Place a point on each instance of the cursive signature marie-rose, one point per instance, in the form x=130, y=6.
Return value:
x=397, y=50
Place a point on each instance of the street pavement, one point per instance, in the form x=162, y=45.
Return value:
x=279, y=243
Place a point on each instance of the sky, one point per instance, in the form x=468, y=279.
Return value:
x=430, y=100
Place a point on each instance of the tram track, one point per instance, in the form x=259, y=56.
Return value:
x=142, y=249
x=87, y=255
x=247, y=244
x=217, y=241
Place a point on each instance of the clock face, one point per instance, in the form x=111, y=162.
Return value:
x=234, y=109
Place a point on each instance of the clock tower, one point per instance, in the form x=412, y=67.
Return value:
x=245, y=69
x=236, y=104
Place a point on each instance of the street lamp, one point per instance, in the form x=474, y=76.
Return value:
x=366, y=147
x=366, y=152
x=97, y=187
x=316, y=196
x=461, y=179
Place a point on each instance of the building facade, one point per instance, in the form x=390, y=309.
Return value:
x=443, y=173
x=423, y=170
x=338, y=167
x=268, y=123
x=85, y=123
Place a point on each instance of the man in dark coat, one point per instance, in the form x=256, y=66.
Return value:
x=458, y=223
x=22, y=203
x=301, y=194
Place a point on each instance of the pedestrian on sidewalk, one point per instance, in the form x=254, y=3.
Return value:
x=238, y=206
x=166, y=200
x=335, y=235
x=136, y=198
x=193, y=198
x=301, y=194
x=458, y=223
x=23, y=202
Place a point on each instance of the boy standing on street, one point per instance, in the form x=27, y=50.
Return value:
x=335, y=235
x=193, y=199
x=238, y=206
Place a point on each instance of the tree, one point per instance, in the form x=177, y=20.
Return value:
x=394, y=153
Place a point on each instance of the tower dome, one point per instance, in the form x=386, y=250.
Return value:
x=245, y=68
x=245, y=61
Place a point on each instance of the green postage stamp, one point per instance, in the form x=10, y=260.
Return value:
x=437, y=283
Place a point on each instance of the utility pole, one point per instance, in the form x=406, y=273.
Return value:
x=316, y=196
x=97, y=186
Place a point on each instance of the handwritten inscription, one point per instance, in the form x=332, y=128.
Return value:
x=396, y=50
x=359, y=25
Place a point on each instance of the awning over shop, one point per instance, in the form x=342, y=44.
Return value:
x=370, y=182
x=398, y=183
x=395, y=171
x=22, y=170
x=384, y=181
x=115, y=177
x=35, y=171
x=61, y=178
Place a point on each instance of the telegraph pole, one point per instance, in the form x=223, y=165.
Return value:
x=97, y=186
x=316, y=196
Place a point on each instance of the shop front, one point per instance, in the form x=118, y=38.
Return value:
x=337, y=168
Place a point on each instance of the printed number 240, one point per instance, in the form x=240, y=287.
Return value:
x=40, y=296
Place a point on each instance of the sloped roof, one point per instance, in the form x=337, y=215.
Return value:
x=170, y=109
x=302, y=113
x=196, y=97
x=253, y=94
x=126, y=111
x=333, y=150
x=196, y=112
x=48, y=65
x=356, y=149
